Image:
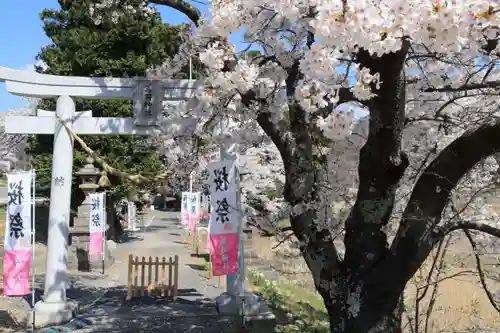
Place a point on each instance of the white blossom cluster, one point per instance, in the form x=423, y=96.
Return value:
x=114, y=9
x=340, y=28
x=443, y=40
x=338, y=33
x=12, y=145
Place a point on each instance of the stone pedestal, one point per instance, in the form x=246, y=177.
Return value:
x=49, y=314
x=78, y=257
x=258, y=316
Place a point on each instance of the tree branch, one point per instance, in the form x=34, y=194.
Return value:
x=264, y=120
x=345, y=95
x=466, y=87
x=381, y=164
x=182, y=6
x=417, y=233
x=475, y=226
x=480, y=271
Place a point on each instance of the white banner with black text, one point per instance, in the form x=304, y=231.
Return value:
x=17, y=255
x=97, y=223
x=225, y=217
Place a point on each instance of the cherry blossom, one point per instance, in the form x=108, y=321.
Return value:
x=12, y=145
x=366, y=194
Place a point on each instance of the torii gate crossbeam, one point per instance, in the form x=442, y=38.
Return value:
x=54, y=308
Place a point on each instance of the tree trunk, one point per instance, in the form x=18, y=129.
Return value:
x=388, y=322
x=356, y=303
x=355, y=313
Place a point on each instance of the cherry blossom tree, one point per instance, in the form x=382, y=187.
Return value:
x=12, y=145
x=426, y=72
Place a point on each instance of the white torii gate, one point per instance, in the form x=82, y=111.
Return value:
x=54, y=308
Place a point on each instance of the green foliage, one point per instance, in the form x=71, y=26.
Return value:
x=297, y=310
x=251, y=55
x=123, y=49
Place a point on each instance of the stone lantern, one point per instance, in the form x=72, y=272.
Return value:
x=79, y=232
x=89, y=175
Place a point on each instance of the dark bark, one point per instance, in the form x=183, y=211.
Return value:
x=388, y=322
x=381, y=165
x=478, y=226
x=383, y=285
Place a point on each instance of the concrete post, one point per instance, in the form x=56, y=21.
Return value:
x=236, y=299
x=190, y=201
x=54, y=309
x=235, y=283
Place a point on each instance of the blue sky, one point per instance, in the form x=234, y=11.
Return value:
x=22, y=37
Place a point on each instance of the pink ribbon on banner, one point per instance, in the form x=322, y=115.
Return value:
x=95, y=244
x=224, y=253
x=16, y=272
x=195, y=218
x=185, y=218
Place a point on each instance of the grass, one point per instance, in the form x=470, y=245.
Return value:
x=296, y=309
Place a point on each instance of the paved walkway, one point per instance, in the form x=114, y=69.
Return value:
x=101, y=297
x=164, y=238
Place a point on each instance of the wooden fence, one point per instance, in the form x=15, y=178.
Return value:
x=154, y=280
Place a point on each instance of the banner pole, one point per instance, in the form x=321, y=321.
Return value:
x=190, y=206
x=105, y=224
x=135, y=218
x=33, y=251
x=132, y=220
x=129, y=223
x=209, y=263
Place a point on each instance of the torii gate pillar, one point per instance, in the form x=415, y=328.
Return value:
x=54, y=308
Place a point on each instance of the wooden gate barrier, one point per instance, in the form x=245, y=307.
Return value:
x=151, y=283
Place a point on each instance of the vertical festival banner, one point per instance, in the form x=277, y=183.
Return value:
x=18, y=235
x=225, y=217
x=195, y=210
x=185, y=209
x=131, y=217
x=205, y=207
x=97, y=224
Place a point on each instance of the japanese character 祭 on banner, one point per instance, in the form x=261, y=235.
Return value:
x=225, y=217
x=185, y=209
x=195, y=210
x=18, y=234
x=97, y=223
